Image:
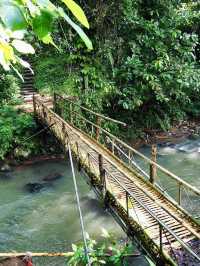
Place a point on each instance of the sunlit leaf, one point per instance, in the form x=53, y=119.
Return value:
x=87, y=236
x=23, y=47
x=105, y=233
x=25, y=64
x=77, y=12
x=18, y=73
x=74, y=247
x=19, y=34
x=3, y=62
x=7, y=51
x=81, y=33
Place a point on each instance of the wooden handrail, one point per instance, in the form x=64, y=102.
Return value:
x=36, y=254
x=92, y=112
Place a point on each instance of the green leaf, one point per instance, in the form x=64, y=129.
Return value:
x=77, y=12
x=74, y=247
x=81, y=33
x=42, y=24
x=12, y=16
x=48, y=40
x=23, y=47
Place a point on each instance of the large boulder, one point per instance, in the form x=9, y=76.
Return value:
x=52, y=177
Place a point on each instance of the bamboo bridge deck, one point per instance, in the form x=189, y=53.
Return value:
x=160, y=222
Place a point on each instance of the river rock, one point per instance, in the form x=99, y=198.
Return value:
x=34, y=187
x=12, y=262
x=52, y=177
x=5, y=168
x=194, y=136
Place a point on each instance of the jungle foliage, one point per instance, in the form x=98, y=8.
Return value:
x=15, y=127
x=22, y=19
x=144, y=68
x=24, y=24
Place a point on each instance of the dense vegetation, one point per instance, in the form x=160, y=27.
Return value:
x=144, y=68
x=21, y=23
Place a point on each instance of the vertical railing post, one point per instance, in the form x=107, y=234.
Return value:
x=71, y=113
x=88, y=156
x=63, y=133
x=100, y=167
x=92, y=131
x=129, y=157
x=102, y=174
x=160, y=234
x=34, y=104
x=179, y=193
x=127, y=204
x=98, y=123
x=54, y=102
x=153, y=168
x=113, y=146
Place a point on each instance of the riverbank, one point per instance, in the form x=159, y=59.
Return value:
x=9, y=164
x=178, y=133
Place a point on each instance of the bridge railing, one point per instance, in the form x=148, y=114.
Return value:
x=60, y=129
x=175, y=188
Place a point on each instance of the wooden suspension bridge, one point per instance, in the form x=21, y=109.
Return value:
x=145, y=210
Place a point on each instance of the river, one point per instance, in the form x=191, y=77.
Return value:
x=48, y=221
x=182, y=159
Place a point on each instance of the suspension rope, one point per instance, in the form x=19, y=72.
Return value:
x=79, y=207
x=35, y=134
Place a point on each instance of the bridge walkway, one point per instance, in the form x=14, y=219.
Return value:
x=162, y=225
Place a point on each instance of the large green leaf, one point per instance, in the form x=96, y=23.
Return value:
x=77, y=12
x=12, y=16
x=42, y=24
x=81, y=33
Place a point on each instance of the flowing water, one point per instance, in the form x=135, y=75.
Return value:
x=48, y=220
x=182, y=159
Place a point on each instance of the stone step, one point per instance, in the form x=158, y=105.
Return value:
x=28, y=87
x=27, y=78
x=28, y=83
x=28, y=90
x=28, y=74
x=27, y=94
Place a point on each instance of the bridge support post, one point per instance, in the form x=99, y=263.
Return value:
x=71, y=113
x=100, y=166
x=160, y=234
x=127, y=205
x=98, y=122
x=153, y=168
x=179, y=193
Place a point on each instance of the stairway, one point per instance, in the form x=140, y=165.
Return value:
x=27, y=91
